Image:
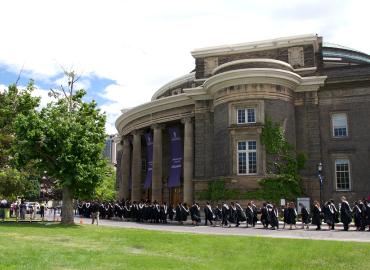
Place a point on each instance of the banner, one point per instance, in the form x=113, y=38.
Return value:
x=149, y=160
x=176, y=158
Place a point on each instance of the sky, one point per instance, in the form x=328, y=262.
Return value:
x=124, y=51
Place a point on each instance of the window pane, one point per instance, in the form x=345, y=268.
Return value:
x=242, y=146
x=339, y=122
x=252, y=145
x=242, y=163
x=241, y=116
x=251, y=115
x=252, y=162
x=342, y=174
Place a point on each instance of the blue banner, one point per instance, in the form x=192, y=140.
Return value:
x=176, y=157
x=149, y=160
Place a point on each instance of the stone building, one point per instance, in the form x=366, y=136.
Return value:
x=206, y=125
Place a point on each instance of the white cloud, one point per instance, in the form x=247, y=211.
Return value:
x=143, y=44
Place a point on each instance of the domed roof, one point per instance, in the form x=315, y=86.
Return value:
x=340, y=53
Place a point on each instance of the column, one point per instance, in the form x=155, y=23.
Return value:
x=157, y=163
x=188, y=160
x=126, y=169
x=136, y=191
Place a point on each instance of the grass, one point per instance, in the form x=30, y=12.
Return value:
x=38, y=246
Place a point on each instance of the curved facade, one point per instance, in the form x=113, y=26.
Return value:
x=206, y=125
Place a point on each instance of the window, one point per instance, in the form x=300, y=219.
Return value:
x=247, y=115
x=247, y=157
x=342, y=174
x=339, y=122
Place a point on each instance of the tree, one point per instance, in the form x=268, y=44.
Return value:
x=66, y=140
x=15, y=102
x=106, y=190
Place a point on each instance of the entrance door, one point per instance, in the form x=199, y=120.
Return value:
x=175, y=195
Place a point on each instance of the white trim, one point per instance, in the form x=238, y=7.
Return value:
x=332, y=124
x=245, y=115
x=172, y=84
x=257, y=46
x=254, y=60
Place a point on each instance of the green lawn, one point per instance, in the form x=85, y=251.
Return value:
x=38, y=246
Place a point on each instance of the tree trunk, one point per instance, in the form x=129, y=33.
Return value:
x=67, y=207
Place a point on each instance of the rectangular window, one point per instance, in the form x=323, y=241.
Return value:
x=245, y=116
x=342, y=174
x=247, y=157
x=339, y=123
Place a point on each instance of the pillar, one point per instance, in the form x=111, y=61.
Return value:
x=136, y=191
x=157, y=164
x=188, y=159
x=126, y=169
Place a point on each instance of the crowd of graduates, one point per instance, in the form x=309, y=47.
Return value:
x=227, y=214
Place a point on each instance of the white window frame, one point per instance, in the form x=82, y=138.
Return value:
x=246, y=115
x=247, y=151
x=342, y=161
x=333, y=127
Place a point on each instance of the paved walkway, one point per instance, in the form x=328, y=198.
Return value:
x=324, y=234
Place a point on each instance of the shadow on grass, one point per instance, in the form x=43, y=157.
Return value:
x=46, y=225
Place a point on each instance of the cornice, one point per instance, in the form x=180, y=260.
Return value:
x=257, y=46
x=153, y=107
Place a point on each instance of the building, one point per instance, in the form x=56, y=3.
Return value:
x=206, y=124
x=110, y=151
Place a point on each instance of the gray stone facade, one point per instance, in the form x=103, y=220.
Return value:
x=293, y=81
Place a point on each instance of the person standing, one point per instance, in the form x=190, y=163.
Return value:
x=305, y=216
x=95, y=212
x=225, y=215
x=336, y=214
x=292, y=215
x=255, y=210
x=42, y=211
x=316, y=215
x=345, y=213
x=249, y=214
x=208, y=213
x=329, y=214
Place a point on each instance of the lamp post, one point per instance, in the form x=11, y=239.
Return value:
x=321, y=178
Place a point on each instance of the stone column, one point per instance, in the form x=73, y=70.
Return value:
x=188, y=160
x=157, y=163
x=126, y=169
x=136, y=166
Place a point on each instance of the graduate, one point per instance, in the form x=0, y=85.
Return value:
x=357, y=216
x=195, y=214
x=292, y=215
x=255, y=212
x=249, y=214
x=264, y=216
x=285, y=214
x=274, y=218
x=232, y=215
x=225, y=215
x=367, y=206
x=171, y=212
x=184, y=212
x=218, y=214
x=209, y=215
x=336, y=213
x=329, y=215
x=316, y=215
x=240, y=215
x=345, y=213
x=305, y=216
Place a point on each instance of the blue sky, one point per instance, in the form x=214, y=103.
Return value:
x=126, y=50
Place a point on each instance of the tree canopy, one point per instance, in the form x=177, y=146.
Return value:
x=66, y=140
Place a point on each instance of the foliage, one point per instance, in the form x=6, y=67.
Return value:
x=31, y=246
x=106, y=190
x=217, y=191
x=66, y=140
x=284, y=165
x=14, y=103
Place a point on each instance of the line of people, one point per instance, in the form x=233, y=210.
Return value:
x=224, y=214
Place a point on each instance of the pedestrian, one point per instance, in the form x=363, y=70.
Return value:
x=316, y=215
x=95, y=213
x=42, y=211
x=345, y=213
x=305, y=216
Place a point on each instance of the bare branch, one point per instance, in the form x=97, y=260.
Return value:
x=19, y=75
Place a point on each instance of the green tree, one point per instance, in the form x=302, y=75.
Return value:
x=14, y=102
x=106, y=190
x=65, y=139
